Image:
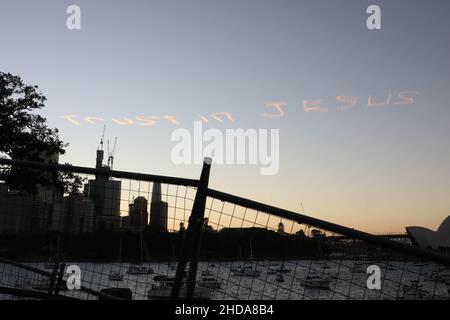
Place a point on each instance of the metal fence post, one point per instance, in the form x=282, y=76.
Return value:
x=198, y=212
x=191, y=244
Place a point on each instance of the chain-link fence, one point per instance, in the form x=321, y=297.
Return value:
x=135, y=236
x=271, y=257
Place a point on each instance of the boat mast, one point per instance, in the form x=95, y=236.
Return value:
x=50, y=251
x=58, y=247
x=120, y=252
x=141, y=251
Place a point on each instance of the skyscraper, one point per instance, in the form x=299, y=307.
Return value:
x=15, y=211
x=105, y=193
x=281, y=228
x=138, y=214
x=78, y=214
x=158, y=209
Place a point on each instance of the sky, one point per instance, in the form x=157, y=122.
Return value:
x=377, y=168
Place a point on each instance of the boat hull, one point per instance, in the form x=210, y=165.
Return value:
x=165, y=293
x=319, y=284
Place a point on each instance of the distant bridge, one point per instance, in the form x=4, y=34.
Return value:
x=392, y=236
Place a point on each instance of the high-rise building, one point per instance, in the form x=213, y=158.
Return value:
x=138, y=214
x=46, y=212
x=105, y=194
x=140, y=204
x=15, y=212
x=78, y=214
x=158, y=209
x=281, y=228
x=45, y=200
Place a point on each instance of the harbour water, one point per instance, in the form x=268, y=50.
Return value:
x=348, y=279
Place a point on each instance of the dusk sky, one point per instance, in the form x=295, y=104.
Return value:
x=377, y=168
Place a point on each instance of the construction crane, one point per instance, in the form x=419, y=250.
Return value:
x=111, y=154
x=100, y=152
x=103, y=137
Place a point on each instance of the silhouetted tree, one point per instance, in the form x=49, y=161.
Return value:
x=24, y=135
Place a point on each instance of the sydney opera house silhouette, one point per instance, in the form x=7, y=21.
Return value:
x=429, y=239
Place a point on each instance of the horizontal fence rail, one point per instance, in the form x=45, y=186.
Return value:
x=100, y=172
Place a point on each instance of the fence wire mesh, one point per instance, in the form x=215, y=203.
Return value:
x=126, y=234
x=276, y=258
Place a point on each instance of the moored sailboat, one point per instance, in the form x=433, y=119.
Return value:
x=139, y=268
x=117, y=275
